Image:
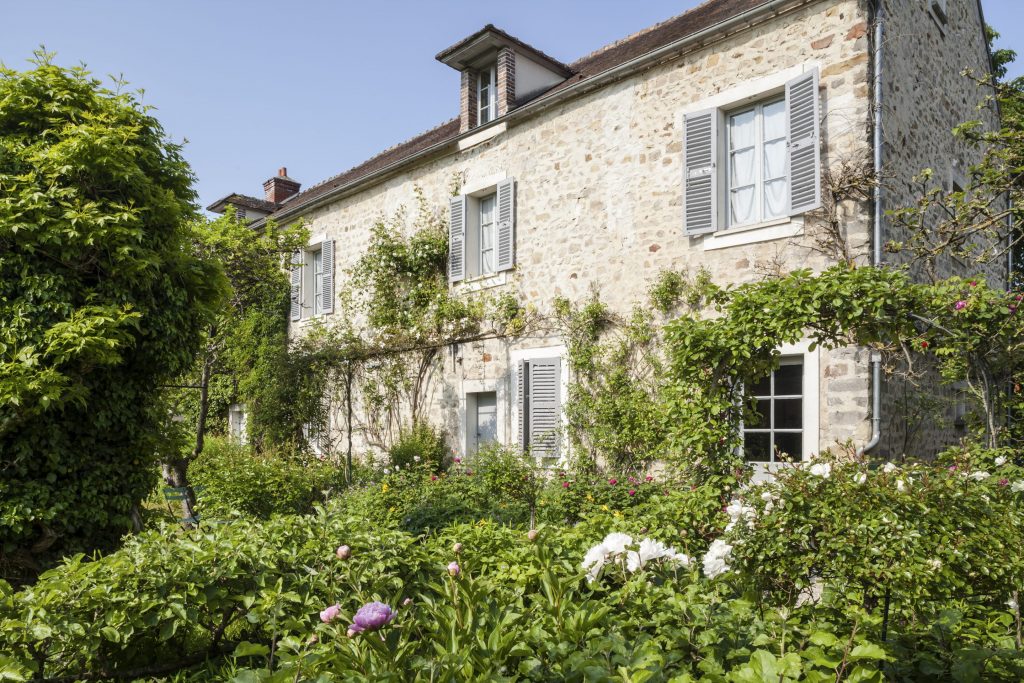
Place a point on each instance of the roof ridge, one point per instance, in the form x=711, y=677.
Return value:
x=637, y=34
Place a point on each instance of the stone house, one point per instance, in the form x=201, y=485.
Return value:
x=701, y=142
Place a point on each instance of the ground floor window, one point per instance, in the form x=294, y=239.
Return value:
x=482, y=419
x=776, y=432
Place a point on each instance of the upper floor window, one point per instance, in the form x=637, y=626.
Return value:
x=755, y=159
x=312, y=276
x=485, y=96
x=481, y=237
x=757, y=179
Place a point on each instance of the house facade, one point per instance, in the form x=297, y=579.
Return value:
x=709, y=141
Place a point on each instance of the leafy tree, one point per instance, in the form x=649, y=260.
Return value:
x=244, y=345
x=101, y=301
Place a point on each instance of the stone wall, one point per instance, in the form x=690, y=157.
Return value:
x=599, y=199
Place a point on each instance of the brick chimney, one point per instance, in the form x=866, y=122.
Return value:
x=280, y=187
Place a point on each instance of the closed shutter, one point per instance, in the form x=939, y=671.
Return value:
x=522, y=403
x=802, y=114
x=327, y=262
x=296, y=265
x=700, y=171
x=506, y=229
x=457, y=239
x=545, y=408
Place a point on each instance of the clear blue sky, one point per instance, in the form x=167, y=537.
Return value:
x=317, y=85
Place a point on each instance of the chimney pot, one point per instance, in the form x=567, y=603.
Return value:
x=283, y=171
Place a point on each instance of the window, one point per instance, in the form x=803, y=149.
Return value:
x=487, y=102
x=776, y=432
x=238, y=423
x=487, y=234
x=318, y=282
x=757, y=179
x=482, y=232
x=539, y=407
x=753, y=156
x=482, y=419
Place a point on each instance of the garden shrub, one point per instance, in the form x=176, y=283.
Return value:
x=420, y=443
x=484, y=601
x=235, y=479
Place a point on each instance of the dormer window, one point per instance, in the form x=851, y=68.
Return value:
x=485, y=96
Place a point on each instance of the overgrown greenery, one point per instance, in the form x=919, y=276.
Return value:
x=101, y=302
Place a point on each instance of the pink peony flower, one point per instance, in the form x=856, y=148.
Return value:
x=632, y=492
x=352, y=631
x=370, y=617
x=973, y=283
x=433, y=477
x=565, y=484
x=453, y=569
x=456, y=460
x=469, y=473
x=613, y=481
x=960, y=305
x=1004, y=482
x=343, y=552
x=648, y=478
x=330, y=614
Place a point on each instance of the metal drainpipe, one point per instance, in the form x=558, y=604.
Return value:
x=876, y=237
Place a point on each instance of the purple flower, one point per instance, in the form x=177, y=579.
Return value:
x=330, y=614
x=456, y=460
x=370, y=617
x=453, y=569
x=960, y=305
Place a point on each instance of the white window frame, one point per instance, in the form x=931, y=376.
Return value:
x=491, y=108
x=759, y=146
x=491, y=227
x=560, y=351
x=811, y=416
x=501, y=388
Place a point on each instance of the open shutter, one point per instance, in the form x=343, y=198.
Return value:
x=296, y=266
x=457, y=239
x=545, y=409
x=700, y=171
x=522, y=402
x=804, y=157
x=506, y=229
x=327, y=261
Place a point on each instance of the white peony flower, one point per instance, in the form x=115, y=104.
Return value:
x=1000, y=461
x=648, y=550
x=616, y=543
x=821, y=469
x=900, y=485
x=980, y=475
x=715, y=560
x=890, y=467
x=1017, y=486
x=861, y=478
x=594, y=561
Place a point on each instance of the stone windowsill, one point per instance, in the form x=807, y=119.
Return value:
x=482, y=282
x=779, y=228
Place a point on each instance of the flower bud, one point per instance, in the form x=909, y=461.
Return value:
x=457, y=548
x=406, y=602
x=532, y=535
x=453, y=569
x=343, y=552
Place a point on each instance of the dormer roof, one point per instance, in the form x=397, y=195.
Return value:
x=470, y=50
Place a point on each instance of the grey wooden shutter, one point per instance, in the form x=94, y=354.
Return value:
x=296, y=266
x=327, y=262
x=700, y=170
x=545, y=408
x=506, y=231
x=804, y=157
x=457, y=239
x=522, y=402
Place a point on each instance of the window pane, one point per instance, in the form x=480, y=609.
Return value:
x=757, y=447
x=789, y=447
x=741, y=168
x=789, y=380
x=774, y=120
x=743, y=207
x=788, y=413
x=487, y=262
x=762, y=414
x=775, y=159
x=763, y=387
x=775, y=198
x=487, y=209
x=742, y=130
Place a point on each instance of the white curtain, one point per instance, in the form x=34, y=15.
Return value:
x=742, y=167
x=775, y=182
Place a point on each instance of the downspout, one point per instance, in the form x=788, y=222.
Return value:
x=876, y=236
